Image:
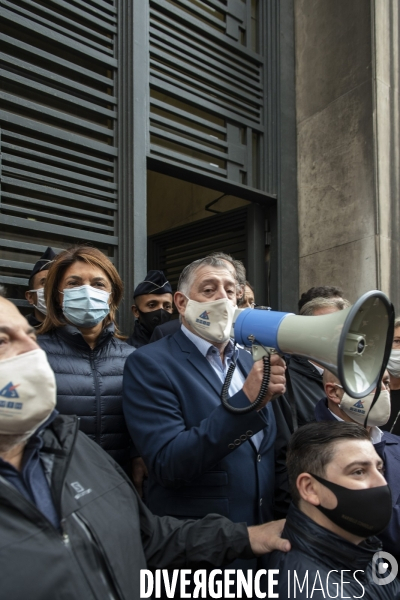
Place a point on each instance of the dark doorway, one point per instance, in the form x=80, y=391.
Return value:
x=231, y=232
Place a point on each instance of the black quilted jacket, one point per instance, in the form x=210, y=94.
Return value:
x=89, y=385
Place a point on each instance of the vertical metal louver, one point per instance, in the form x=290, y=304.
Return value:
x=212, y=94
x=172, y=250
x=57, y=125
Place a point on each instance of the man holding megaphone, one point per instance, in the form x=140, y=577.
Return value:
x=201, y=457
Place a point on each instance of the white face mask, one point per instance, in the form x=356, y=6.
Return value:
x=41, y=304
x=393, y=365
x=27, y=392
x=211, y=320
x=358, y=409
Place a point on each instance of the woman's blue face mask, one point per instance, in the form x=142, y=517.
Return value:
x=85, y=306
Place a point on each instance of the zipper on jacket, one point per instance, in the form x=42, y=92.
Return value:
x=64, y=475
x=108, y=582
x=98, y=399
x=64, y=534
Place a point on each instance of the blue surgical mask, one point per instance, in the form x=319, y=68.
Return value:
x=85, y=306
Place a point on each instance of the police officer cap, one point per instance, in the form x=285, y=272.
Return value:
x=44, y=262
x=154, y=283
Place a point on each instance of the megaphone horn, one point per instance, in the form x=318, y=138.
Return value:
x=350, y=343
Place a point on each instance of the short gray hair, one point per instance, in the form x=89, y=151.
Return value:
x=237, y=265
x=339, y=303
x=187, y=276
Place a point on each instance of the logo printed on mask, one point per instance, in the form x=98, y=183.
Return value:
x=378, y=416
x=217, y=324
x=358, y=407
x=36, y=396
x=16, y=405
x=204, y=319
x=9, y=391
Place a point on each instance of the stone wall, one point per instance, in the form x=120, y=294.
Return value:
x=346, y=66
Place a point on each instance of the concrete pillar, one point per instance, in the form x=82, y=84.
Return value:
x=347, y=144
x=386, y=21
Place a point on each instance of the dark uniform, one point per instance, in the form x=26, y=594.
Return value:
x=43, y=264
x=155, y=283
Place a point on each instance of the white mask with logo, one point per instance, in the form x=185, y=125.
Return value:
x=393, y=365
x=27, y=392
x=211, y=320
x=358, y=409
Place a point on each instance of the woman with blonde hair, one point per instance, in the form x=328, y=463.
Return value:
x=83, y=345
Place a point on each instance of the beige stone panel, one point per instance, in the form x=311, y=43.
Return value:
x=387, y=113
x=333, y=51
x=384, y=19
x=335, y=173
x=349, y=266
x=389, y=268
x=385, y=176
x=387, y=149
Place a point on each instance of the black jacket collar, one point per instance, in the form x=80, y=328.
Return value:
x=326, y=547
x=140, y=337
x=322, y=412
x=302, y=365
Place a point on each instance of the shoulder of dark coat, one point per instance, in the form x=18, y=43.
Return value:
x=59, y=433
x=391, y=438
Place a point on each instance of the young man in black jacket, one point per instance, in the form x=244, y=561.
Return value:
x=71, y=523
x=340, y=502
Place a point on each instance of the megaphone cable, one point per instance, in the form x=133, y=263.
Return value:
x=261, y=395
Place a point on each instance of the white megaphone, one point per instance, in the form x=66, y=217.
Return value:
x=350, y=343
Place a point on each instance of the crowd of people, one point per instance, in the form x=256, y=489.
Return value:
x=116, y=453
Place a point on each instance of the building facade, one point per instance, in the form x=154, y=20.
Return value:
x=159, y=130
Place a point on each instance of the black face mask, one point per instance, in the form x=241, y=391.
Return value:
x=150, y=320
x=360, y=512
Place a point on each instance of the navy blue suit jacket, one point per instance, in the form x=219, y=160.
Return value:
x=201, y=458
x=389, y=451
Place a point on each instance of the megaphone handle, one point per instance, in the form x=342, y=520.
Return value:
x=261, y=394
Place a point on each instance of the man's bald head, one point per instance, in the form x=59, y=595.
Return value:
x=8, y=311
x=329, y=377
x=16, y=335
